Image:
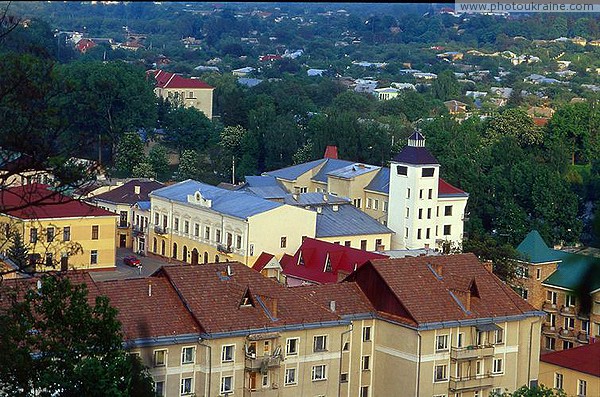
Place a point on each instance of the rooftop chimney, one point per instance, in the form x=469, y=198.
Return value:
x=136, y=189
x=325, y=197
x=295, y=196
x=331, y=152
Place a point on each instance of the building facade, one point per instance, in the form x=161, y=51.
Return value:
x=189, y=92
x=575, y=371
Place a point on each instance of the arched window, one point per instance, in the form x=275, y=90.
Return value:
x=205, y=257
x=217, y=258
x=162, y=247
x=154, y=245
x=184, y=253
x=174, y=250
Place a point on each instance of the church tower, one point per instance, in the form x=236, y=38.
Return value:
x=413, y=196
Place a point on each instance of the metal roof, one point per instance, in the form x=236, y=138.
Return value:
x=353, y=170
x=415, y=155
x=381, y=182
x=533, y=249
x=347, y=220
x=330, y=165
x=303, y=199
x=293, y=172
x=234, y=203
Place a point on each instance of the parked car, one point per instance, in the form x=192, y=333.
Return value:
x=132, y=260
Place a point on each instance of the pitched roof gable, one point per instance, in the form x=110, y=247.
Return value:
x=262, y=260
x=126, y=193
x=293, y=172
x=168, y=80
x=533, y=249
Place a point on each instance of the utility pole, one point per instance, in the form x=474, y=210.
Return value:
x=233, y=170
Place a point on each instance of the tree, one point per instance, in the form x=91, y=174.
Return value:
x=188, y=128
x=157, y=157
x=538, y=391
x=143, y=170
x=129, y=154
x=514, y=123
x=53, y=342
x=446, y=86
x=188, y=165
x=18, y=251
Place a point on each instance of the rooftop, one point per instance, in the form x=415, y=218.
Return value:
x=585, y=359
x=126, y=193
x=171, y=80
x=346, y=220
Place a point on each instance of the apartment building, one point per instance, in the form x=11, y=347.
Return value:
x=58, y=231
x=190, y=92
x=575, y=371
x=410, y=197
x=566, y=286
x=121, y=200
x=199, y=223
x=433, y=326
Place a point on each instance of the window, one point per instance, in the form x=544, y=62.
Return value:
x=418, y=234
x=569, y=323
x=95, y=232
x=421, y=193
x=226, y=384
x=551, y=297
x=160, y=358
x=265, y=380
x=283, y=242
x=290, y=376
x=319, y=372
x=49, y=234
x=346, y=346
x=156, y=221
x=369, y=202
x=238, y=242
x=538, y=274
x=165, y=221
x=347, y=243
x=49, y=259
x=366, y=334
x=448, y=210
x=428, y=233
x=408, y=193
x=441, y=373
x=291, y=346
x=479, y=367
x=407, y=212
x=363, y=245
x=159, y=388
x=460, y=338
x=428, y=213
x=570, y=300
x=402, y=170
x=552, y=320
x=186, y=386
x=218, y=235
x=385, y=206
x=187, y=355
x=420, y=213
x=186, y=227
x=430, y=194
x=67, y=233
x=499, y=336
x=376, y=204
x=427, y=172
x=364, y=391
x=585, y=326
x=320, y=343
x=344, y=378
x=581, y=388
x=356, y=202
x=378, y=243
x=558, y=381
x=227, y=353
x=93, y=257
x=497, y=366
x=33, y=235
x=251, y=249
x=123, y=219
x=207, y=233
x=447, y=229
x=365, y=363
x=441, y=343
x=196, y=230
x=550, y=343
x=567, y=345
x=406, y=232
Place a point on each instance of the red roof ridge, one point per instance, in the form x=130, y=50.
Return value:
x=446, y=188
x=262, y=261
x=585, y=359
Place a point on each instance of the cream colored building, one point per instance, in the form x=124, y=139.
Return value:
x=575, y=371
x=198, y=223
x=190, y=92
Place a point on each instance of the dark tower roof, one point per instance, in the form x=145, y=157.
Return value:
x=415, y=152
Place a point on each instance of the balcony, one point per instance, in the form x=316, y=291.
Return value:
x=465, y=383
x=123, y=225
x=567, y=333
x=583, y=337
x=160, y=230
x=549, y=307
x=548, y=329
x=262, y=364
x=471, y=352
x=567, y=311
x=224, y=248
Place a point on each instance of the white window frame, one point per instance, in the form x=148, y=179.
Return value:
x=223, y=384
x=558, y=381
x=581, y=388
x=228, y=349
x=366, y=363
x=288, y=351
x=320, y=377
x=498, y=366
x=154, y=356
x=324, y=344
x=445, y=373
x=183, y=390
x=366, y=333
x=183, y=355
x=163, y=387
x=442, y=340
x=286, y=379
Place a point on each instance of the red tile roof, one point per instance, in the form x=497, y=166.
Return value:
x=431, y=289
x=270, y=57
x=331, y=152
x=125, y=194
x=348, y=297
x=214, y=298
x=145, y=314
x=584, y=359
x=37, y=201
x=314, y=254
x=262, y=261
x=446, y=188
x=170, y=80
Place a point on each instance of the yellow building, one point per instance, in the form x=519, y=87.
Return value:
x=576, y=371
x=190, y=92
x=199, y=223
x=59, y=232
x=432, y=326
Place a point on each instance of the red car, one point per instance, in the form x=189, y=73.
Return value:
x=132, y=260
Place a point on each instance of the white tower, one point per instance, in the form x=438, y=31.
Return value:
x=413, y=196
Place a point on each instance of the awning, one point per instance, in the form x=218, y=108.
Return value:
x=487, y=327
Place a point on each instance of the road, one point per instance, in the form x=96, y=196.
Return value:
x=150, y=264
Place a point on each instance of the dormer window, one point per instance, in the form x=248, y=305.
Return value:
x=328, y=264
x=301, y=259
x=247, y=300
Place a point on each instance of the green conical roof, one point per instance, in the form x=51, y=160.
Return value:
x=533, y=249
